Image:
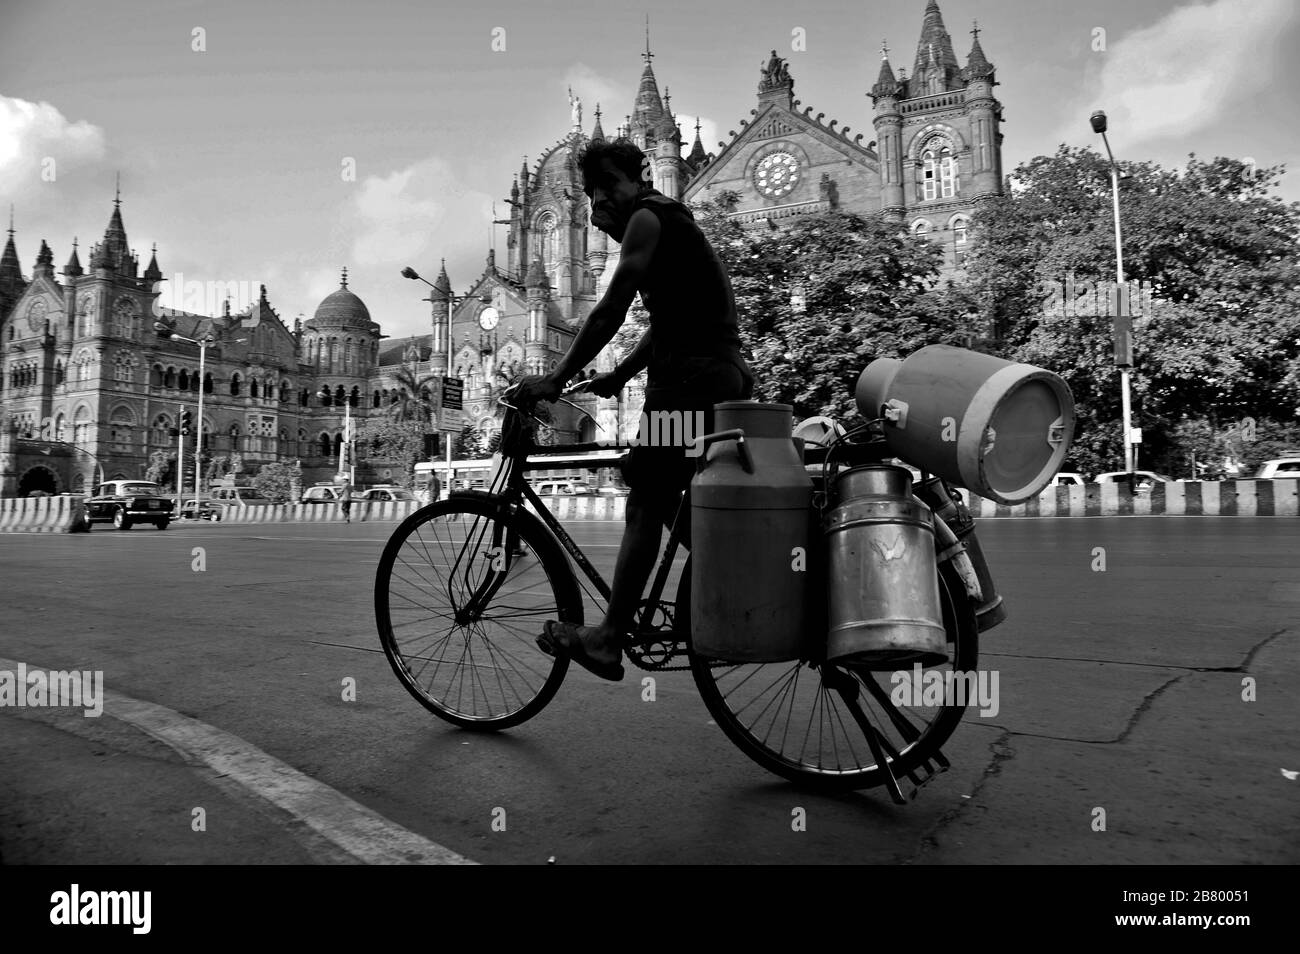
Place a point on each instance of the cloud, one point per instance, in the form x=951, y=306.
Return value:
x=1180, y=75
x=33, y=133
x=410, y=214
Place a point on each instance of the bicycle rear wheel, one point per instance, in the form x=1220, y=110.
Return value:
x=798, y=721
x=462, y=590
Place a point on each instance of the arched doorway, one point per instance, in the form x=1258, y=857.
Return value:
x=40, y=479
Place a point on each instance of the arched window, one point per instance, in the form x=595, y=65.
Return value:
x=184, y=383
x=392, y=396
x=81, y=425
x=324, y=444
x=160, y=433
x=338, y=443
x=169, y=378
x=939, y=177
x=284, y=392
x=354, y=399
x=377, y=398
x=156, y=376
x=207, y=383
x=194, y=381
x=234, y=384
x=920, y=227
x=326, y=399
x=304, y=396
x=347, y=356
x=339, y=395
x=58, y=374
x=60, y=428
x=960, y=241
x=252, y=387
x=948, y=174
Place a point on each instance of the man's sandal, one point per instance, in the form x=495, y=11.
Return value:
x=562, y=639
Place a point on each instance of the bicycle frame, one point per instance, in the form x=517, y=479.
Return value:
x=515, y=490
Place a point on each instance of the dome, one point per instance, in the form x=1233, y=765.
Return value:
x=342, y=308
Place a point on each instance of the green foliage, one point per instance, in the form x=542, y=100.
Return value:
x=160, y=467
x=868, y=291
x=275, y=482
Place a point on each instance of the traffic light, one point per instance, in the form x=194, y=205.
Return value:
x=187, y=421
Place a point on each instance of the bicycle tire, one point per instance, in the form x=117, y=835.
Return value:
x=407, y=557
x=814, y=770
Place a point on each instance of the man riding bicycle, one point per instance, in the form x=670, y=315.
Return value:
x=692, y=351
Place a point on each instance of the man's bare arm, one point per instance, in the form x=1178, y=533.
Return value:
x=639, y=243
x=636, y=361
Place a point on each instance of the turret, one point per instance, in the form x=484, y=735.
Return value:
x=539, y=292
x=889, y=138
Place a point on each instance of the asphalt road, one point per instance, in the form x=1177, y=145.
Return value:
x=1121, y=690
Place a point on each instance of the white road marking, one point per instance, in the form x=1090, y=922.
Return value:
x=364, y=834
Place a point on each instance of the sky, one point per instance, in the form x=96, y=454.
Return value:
x=234, y=124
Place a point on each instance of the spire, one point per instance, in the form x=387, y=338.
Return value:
x=153, y=273
x=648, y=109
x=523, y=174
x=698, y=154
x=977, y=64
x=110, y=252
x=935, y=46
x=45, y=258
x=11, y=270
x=597, y=133
x=442, y=284
x=886, y=83
x=345, y=277
x=73, y=268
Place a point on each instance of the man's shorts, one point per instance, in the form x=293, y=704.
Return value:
x=679, y=409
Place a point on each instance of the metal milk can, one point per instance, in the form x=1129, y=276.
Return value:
x=884, y=608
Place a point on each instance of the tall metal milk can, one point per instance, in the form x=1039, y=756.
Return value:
x=884, y=608
x=753, y=538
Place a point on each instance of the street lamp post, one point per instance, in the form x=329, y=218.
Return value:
x=1124, y=346
x=323, y=393
x=409, y=272
x=165, y=332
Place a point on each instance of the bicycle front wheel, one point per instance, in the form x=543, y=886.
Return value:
x=462, y=591
x=806, y=723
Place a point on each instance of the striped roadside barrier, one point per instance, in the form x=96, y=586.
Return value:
x=63, y=514
x=1227, y=498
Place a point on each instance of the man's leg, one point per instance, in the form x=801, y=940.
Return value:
x=636, y=560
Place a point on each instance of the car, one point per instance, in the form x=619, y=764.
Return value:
x=201, y=510
x=1281, y=467
x=1144, y=479
x=321, y=495
x=1068, y=479
x=611, y=491
x=124, y=503
x=563, y=488
x=240, y=497
x=385, y=494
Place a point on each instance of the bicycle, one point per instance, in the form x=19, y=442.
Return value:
x=832, y=726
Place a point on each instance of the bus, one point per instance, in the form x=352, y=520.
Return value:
x=601, y=468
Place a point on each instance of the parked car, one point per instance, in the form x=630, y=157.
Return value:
x=200, y=510
x=321, y=495
x=1144, y=479
x=384, y=495
x=240, y=497
x=1281, y=467
x=564, y=488
x=611, y=491
x=124, y=503
x=1068, y=479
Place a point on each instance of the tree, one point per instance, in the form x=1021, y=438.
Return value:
x=820, y=300
x=414, y=396
x=160, y=467
x=275, y=482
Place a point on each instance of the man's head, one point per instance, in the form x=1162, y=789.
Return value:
x=613, y=179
